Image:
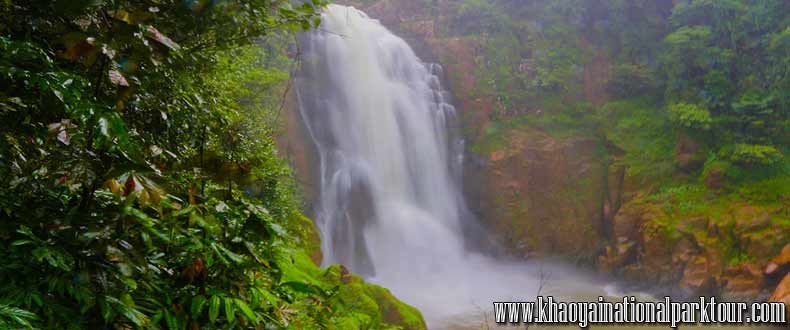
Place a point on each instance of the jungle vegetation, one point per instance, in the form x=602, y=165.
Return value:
x=140, y=183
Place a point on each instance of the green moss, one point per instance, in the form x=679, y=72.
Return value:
x=354, y=303
x=395, y=311
x=642, y=130
x=307, y=234
x=381, y=309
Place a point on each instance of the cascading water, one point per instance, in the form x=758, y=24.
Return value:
x=389, y=206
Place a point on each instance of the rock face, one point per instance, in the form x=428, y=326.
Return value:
x=689, y=153
x=540, y=194
x=782, y=292
x=778, y=267
x=295, y=144
x=693, y=254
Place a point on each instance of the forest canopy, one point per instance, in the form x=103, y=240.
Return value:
x=716, y=71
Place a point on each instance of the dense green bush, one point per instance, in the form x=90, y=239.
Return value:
x=690, y=116
x=750, y=154
x=140, y=185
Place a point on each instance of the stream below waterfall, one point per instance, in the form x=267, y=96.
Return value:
x=390, y=205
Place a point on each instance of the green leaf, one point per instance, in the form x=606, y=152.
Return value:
x=20, y=316
x=303, y=287
x=132, y=314
x=213, y=308
x=197, y=306
x=171, y=321
x=237, y=258
x=230, y=309
x=268, y=296
x=246, y=310
x=21, y=242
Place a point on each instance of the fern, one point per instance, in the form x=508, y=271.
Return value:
x=15, y=318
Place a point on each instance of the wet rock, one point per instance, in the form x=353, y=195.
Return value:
x=779, y=266
x=632, y=273
x=698, y=279
x=372, y=300
x=751, y=218
x=657, y=258
x=780, y=260
x=782, y=291
x=541, y=194
x=684, y=251
x=627, y=224
x=346, y=276
x=615, y=257
x=743, y=281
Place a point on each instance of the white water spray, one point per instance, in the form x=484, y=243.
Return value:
x=389, y=206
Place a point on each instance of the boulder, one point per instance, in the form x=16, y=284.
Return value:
x=779, y=266
x=689, y=154
x=627, y=223
x=615, y=257
x=698, y=278
x=714, y=179
x=743, y=281
x=751, y=218
x=780, y=260
x=657, y=258
x=782, y=292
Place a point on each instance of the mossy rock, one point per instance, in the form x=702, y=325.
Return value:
x=308, y=235
x=370, y=299
x=356, y=304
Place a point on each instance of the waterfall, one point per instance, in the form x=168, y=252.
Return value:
x=390, y=206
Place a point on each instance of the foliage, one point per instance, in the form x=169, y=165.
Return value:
x=750, y=154
x=724, y=53
x=690, y=116
x=141, y=187
x=11, y=318
x=715, y=69
x=631, y=79
x=639, y=127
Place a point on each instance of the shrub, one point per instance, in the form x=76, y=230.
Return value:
x=752, y=154
x=690, y=116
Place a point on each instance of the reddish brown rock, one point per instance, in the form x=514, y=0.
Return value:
x=780, y=260
x=698, y=279
x=627, y=224
x=782, y=293
x=743, y=281
x=616, y=257
x=541, y=194
x=689, y=153
x=778, y=267
x=714, y=179
x=497, y=155
x=751, y=218
x=684, y=251
x=657, y=258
